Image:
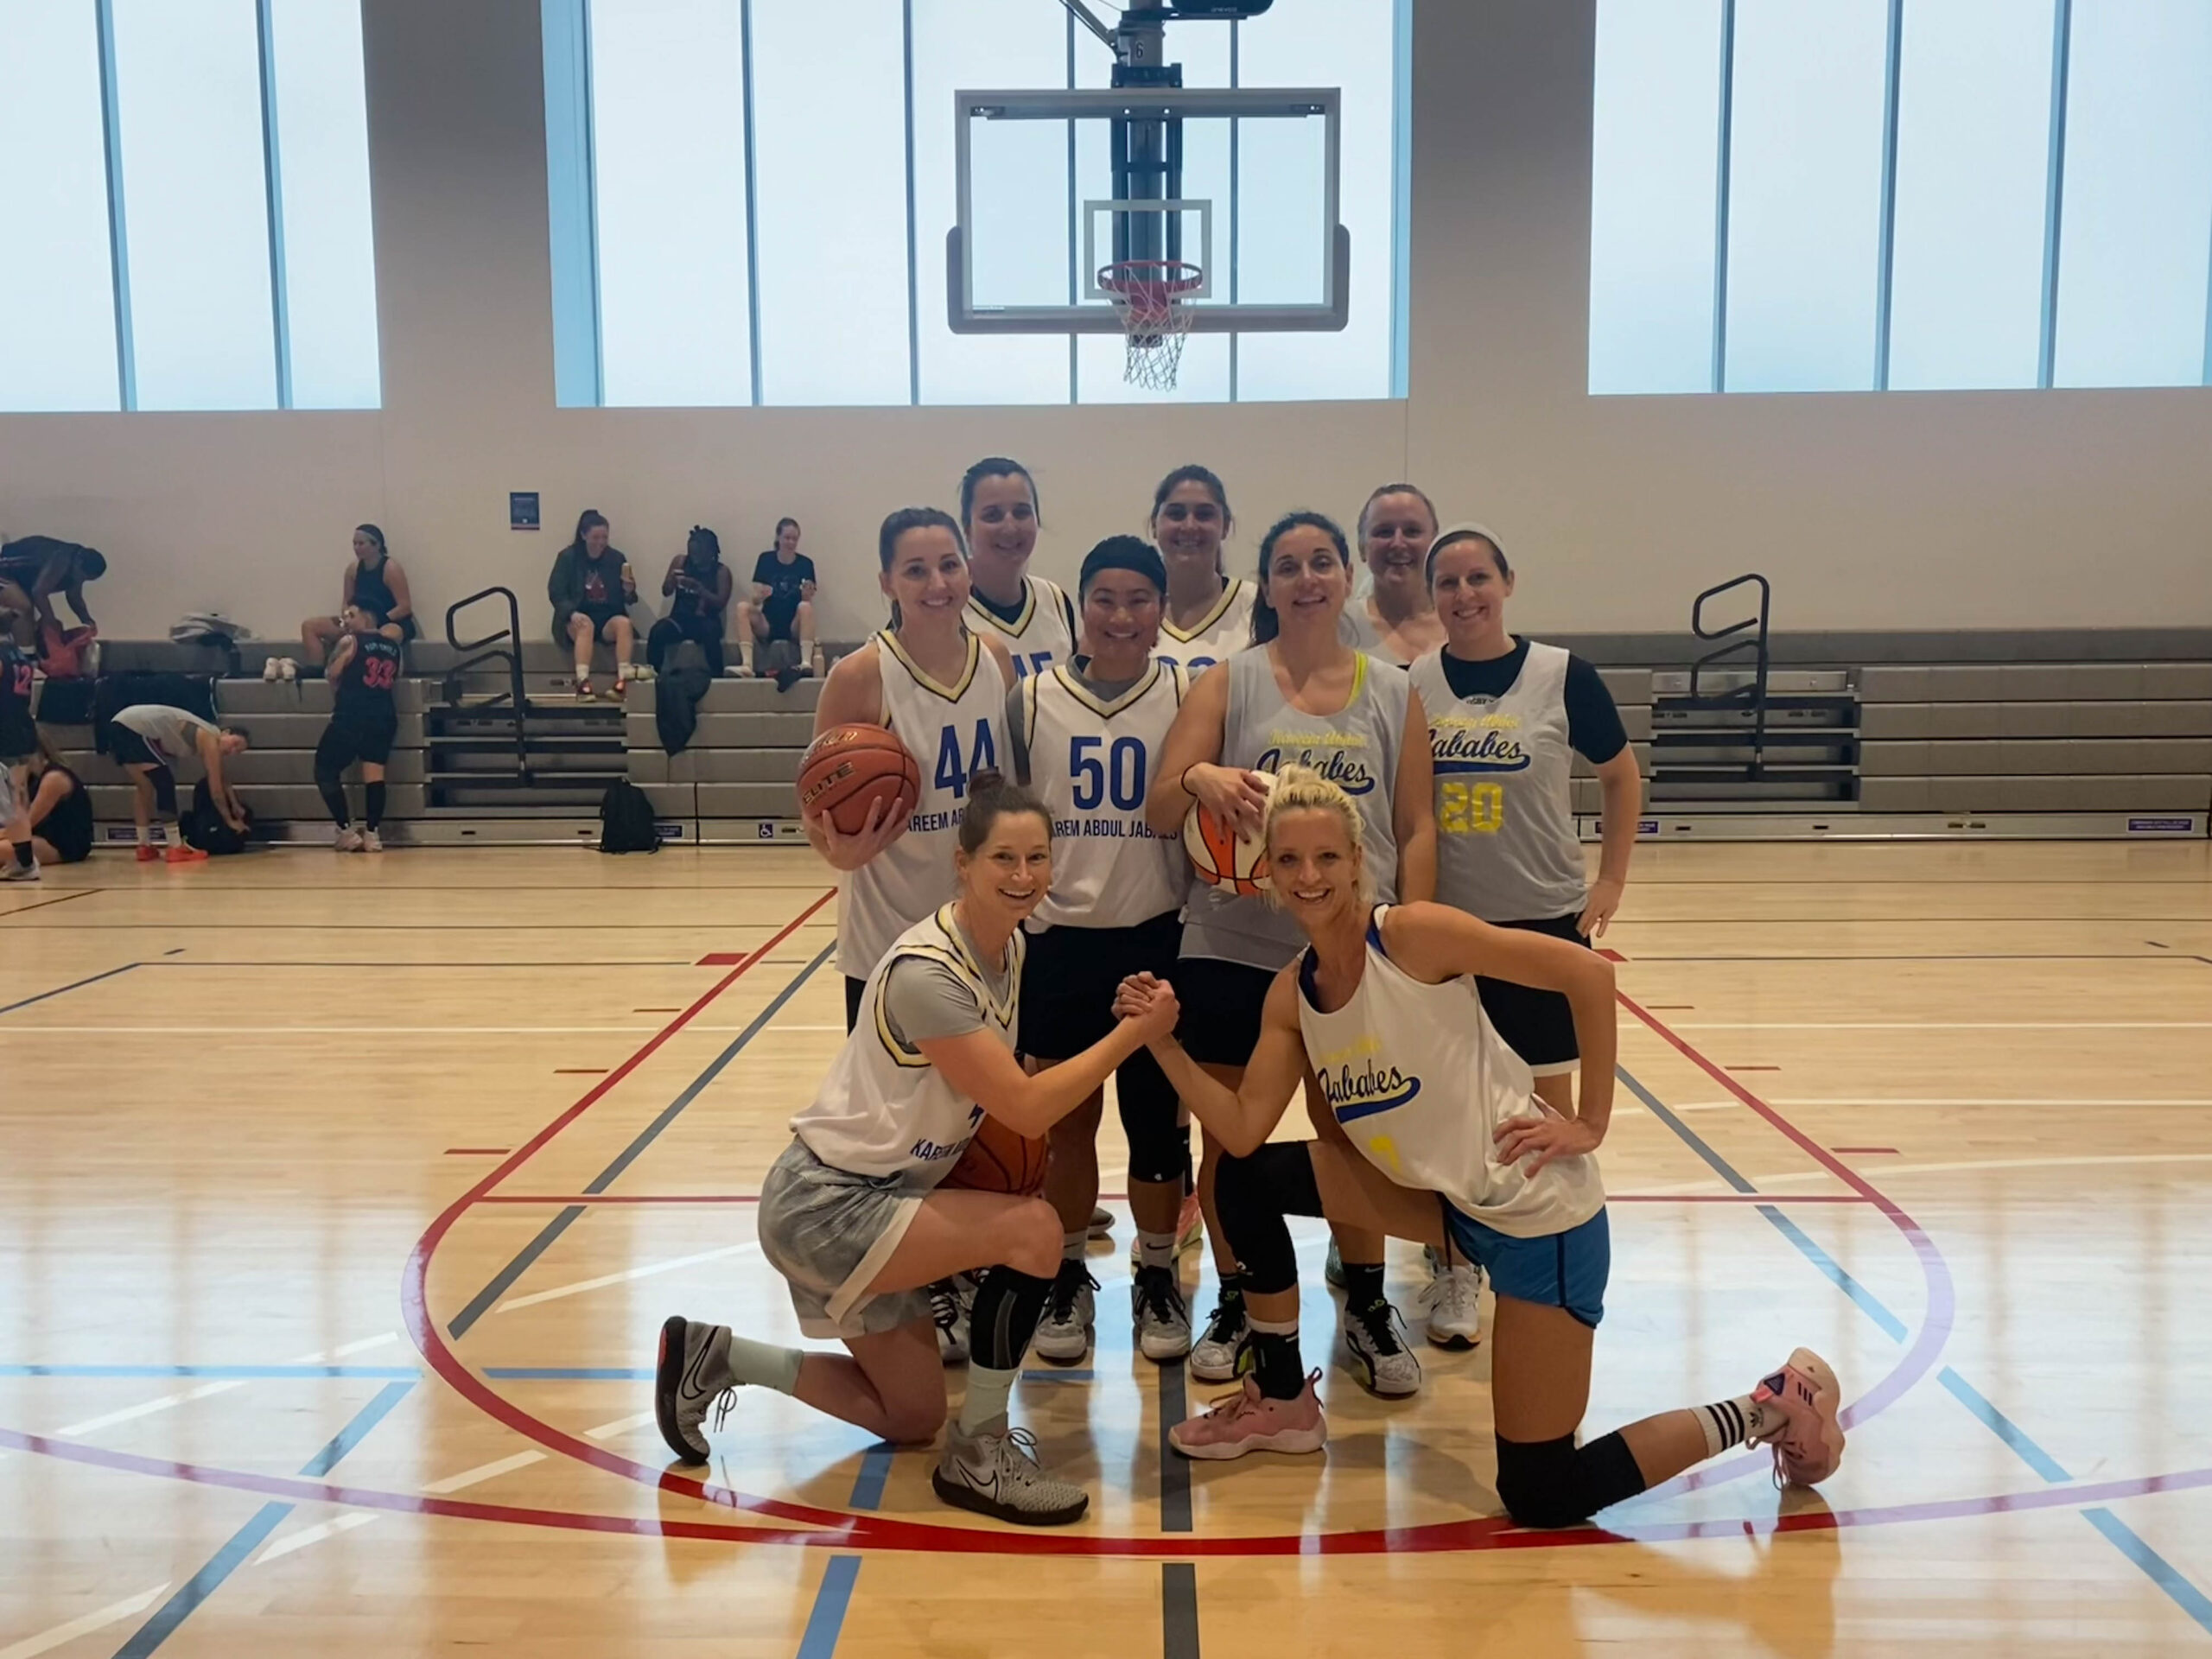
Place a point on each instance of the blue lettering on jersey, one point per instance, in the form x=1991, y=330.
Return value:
x=1346, y=772
x=1459, y=749
x=1354, y=1095
x=953, y=770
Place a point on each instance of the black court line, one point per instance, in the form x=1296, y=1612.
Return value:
x=503, y=1280
x=251, y=1536
x=387, y=962
x=721, y=929
x=1939, y=956
x=1178, y=1580
x=1877, y=921
x=65, y=989
x=25, y=910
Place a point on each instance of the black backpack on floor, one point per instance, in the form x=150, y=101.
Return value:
x=626, y=816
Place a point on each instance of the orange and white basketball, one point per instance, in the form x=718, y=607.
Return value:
x=1222, y=857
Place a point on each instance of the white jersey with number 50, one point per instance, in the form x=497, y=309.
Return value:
x=950, y=730
x=1042, y=635
x=1092, y=762
x=1221, y=632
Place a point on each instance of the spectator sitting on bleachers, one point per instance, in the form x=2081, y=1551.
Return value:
x=698, y=586
x=148, y=739
x=592, y=589
x=50, y=821
x=782, y=606
x=32, y=570
x=374, y=581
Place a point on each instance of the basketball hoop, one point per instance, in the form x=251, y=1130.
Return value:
x=1149, y=297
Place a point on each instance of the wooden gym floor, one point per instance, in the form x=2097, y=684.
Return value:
x=340, y=1201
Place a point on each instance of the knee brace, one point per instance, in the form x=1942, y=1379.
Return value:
x=1252, y=1196
x=1160, y=1147
x=1008, y=1304
x=165, y=783
x=1554, y=1483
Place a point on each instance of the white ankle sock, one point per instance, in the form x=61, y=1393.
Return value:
x=763, y=1365
x=1156, y=1249
x=984, y=1404
x=1729, y=1422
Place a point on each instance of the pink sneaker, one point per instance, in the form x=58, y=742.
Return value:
x=1809, y=1445
x=1248, y=1421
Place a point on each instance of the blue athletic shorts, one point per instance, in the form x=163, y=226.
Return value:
x=1566, y=1269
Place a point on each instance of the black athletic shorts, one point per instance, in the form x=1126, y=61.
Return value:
x=130, y=749
x=782, y=616
x=854, y=990
x=601, y=616
x=1538, y=1026
x=1070, y=974
x=1223, y=1002
x=345, y=741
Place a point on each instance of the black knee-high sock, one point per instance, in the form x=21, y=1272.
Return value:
x=1007, y=1306
x=375, y=794
x=22, y=854
x=334, y=797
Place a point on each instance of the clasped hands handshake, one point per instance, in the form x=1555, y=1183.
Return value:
x=1150, y=1000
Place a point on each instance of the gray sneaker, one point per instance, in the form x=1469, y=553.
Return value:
x=1451, y=1299
x=1071, y=1312
x=691, y=1372
x=1376, y=1352
x=995, y=1472
x=11, y=871
x=1163, y=1318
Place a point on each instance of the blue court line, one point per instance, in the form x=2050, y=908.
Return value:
x=234, y=1373
x=502, y=1281
x=250, y=1537
x=65, y=989
x=2161, y=1572
x=826, y=1621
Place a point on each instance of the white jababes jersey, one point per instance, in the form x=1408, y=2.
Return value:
x=1092, y=762
x=884, y=1110
x=950, y=730
x=1421, y=1081
x=1042, y=635
x=1221, y=632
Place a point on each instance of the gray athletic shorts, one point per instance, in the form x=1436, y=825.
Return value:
x=8, y=803
x=829, y=1232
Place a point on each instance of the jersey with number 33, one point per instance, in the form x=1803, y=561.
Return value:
x=1092, y=762
x=1506, y=850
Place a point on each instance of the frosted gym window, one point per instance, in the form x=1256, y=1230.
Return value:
x=186, y=193
x=750, y=200
x=1854, y=195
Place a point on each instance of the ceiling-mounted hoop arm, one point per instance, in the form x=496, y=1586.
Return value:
x=1082, y=14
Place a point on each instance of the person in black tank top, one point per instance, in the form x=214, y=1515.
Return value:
x=374, y=581
x=364, y=675
x=48, y=821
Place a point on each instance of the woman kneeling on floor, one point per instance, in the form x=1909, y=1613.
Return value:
x=1449, y=1143
x=852, y=1214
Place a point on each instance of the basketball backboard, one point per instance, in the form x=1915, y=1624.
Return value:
x=1054, y=186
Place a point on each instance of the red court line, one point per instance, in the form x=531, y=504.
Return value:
x=1609, y=954
x=1490, y=1533
x=866, y=1530
x=717, y=959
x=1934, y=1332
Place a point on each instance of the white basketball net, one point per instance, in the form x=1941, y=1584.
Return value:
x=1149, y=297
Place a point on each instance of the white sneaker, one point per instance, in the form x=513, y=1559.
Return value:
x=690, y=1372
x=1070, y=1314
x=1190, y=1232
x=950, y=1302
x=1375, y=1350
x=1220, y=1352
x=996, y=1473
x=372, y=841
x=1162, y=1316
x=288, y=668
x=11, y=871
x=269, y=669
x=1452, y=1301
x=349, y=841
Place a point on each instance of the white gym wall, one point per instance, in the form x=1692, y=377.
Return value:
x=1907, y=510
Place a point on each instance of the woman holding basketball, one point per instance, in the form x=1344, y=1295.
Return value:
x=1301, y=695
x=1444, y=1138
x=853, y=1214
x=941, y=690
x=1085, y=735
x=1030, y=616
x=1506, y=719
x=1395, y=620
x=1208, y=613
